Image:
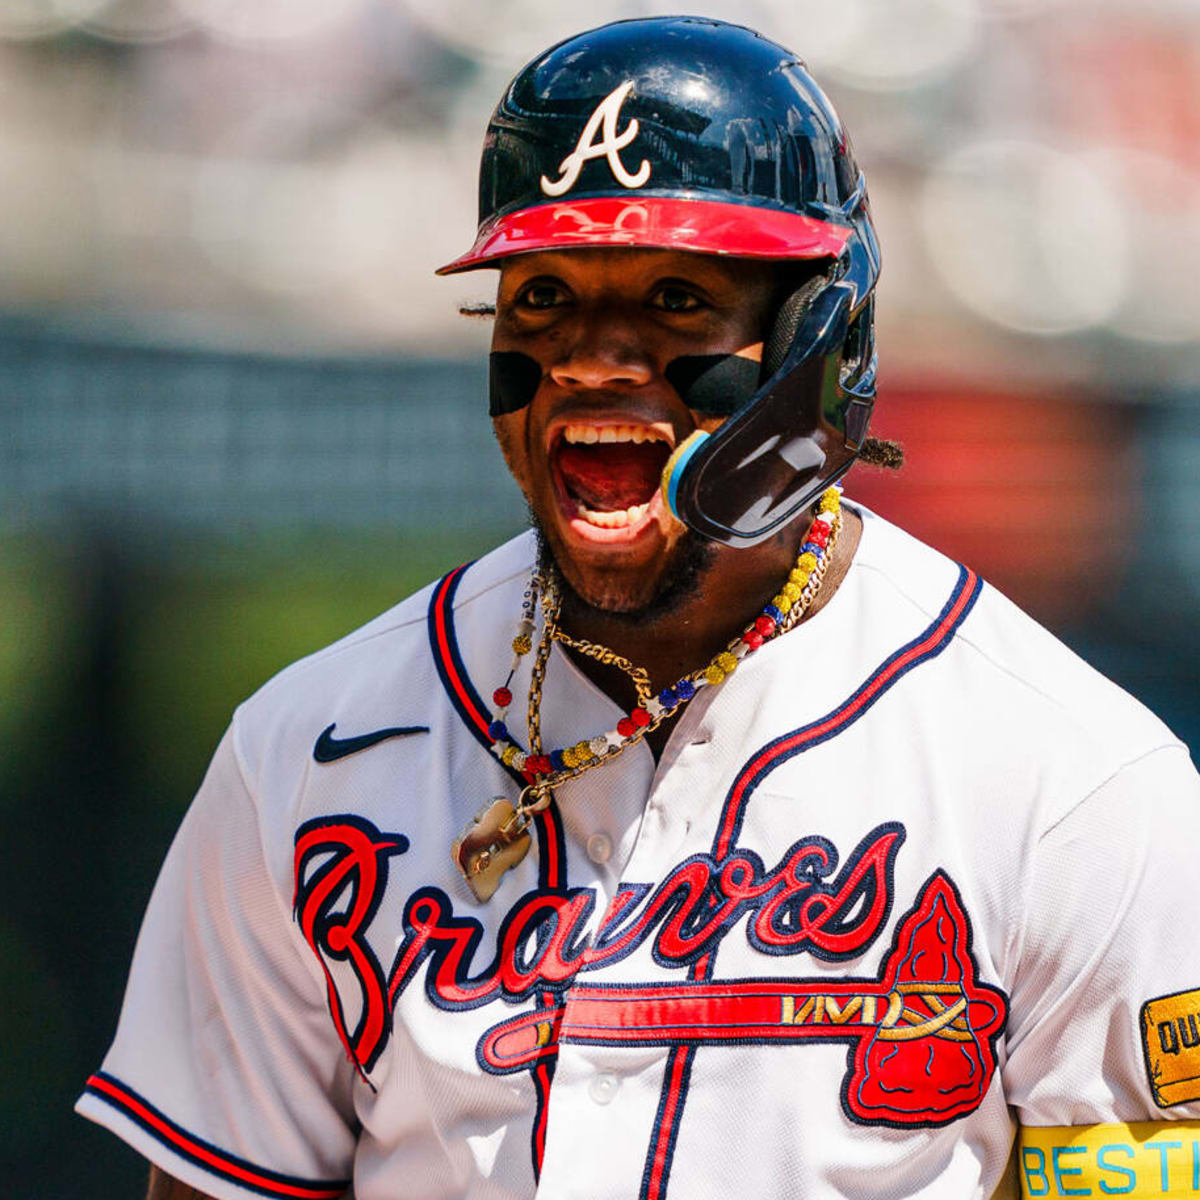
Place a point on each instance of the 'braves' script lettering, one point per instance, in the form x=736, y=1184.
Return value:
x=804, y=904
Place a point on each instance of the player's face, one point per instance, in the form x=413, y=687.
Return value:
x=588, y=450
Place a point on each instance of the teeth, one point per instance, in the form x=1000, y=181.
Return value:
x=590, y=434
x=616, y=519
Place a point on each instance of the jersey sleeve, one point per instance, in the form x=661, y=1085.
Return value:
x=226, y=1070
x=1105, y=1002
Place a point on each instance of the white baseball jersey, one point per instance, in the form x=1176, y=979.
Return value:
x=913, y=871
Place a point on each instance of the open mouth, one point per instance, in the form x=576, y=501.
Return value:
x=609, y=475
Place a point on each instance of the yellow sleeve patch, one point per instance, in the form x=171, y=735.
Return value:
x=1171, y=1040
x=1148, y=1158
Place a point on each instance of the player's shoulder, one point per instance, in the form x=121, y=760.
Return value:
x=1021, y=675
x=384, y=670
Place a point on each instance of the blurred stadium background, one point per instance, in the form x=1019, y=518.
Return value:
x=239, y=415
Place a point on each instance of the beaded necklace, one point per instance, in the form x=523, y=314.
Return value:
x=499, y=837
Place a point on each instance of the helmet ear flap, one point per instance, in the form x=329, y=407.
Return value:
x=787, y=321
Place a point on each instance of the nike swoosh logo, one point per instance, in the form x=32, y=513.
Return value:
x=329, y=749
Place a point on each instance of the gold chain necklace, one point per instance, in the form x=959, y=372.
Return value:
x=498, y=839
x=639, y=676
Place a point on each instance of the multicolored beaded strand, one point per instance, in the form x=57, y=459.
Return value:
x=544, y=772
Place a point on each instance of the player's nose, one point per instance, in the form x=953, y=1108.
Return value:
x=604, y=349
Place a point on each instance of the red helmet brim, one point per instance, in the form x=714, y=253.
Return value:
x=661, y=222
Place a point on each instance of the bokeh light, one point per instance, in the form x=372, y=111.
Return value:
x=266, y=20
x=1160, y=203
x=511, y=31
x=136, y=21
x=906, y=44
x=41, y=18
x=1027, y=237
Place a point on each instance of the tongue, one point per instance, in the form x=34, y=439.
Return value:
x=611, y=476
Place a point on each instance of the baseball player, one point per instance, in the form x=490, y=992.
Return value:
x=716, y=839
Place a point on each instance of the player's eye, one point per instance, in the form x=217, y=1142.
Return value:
x=541, y=294
x=675, y=298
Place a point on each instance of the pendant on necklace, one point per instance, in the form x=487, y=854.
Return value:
x=494, y=842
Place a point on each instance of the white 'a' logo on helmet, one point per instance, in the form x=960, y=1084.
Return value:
x=610, y=146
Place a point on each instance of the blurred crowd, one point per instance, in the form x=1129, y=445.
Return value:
x=288, y=173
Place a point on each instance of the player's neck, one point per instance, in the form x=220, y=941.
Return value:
x=727, y=598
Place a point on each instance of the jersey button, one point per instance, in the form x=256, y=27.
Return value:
x=603, y=1088
x=599, y=847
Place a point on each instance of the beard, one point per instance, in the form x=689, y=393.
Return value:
x=691, y=560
